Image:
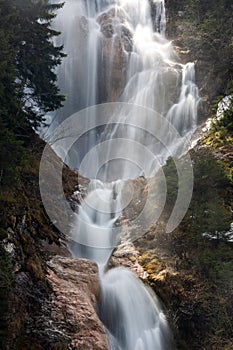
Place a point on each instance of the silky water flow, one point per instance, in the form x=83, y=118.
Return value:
x=117, y=53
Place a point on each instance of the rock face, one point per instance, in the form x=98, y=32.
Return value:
x=60, y=312
x=74, y=302
x=126, y=255
x=116, y=42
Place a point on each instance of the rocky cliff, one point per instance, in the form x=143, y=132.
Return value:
x=48, y=300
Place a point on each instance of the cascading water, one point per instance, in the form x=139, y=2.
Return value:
x=134, y=317
x=115, y=52
x=95, y=220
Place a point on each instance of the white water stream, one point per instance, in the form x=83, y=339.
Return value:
x=116, y=53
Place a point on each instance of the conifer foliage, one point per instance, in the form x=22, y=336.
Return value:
x=28, y=87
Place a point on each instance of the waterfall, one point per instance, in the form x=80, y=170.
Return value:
x=138, y=105
x=93, y=237
x=114, y=54
x=133, y=315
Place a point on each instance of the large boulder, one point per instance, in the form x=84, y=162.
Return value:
x=58, y=313
x=75, y=285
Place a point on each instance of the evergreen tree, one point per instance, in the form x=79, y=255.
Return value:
x=28, y=86
x=36, y=59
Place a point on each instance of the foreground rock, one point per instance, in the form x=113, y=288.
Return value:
x=61, y=315
x=76, y=289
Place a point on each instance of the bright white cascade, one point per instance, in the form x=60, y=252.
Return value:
x=96, y=217
x=116, y=53
x=133, y=315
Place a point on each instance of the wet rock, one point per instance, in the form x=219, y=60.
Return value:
x=116, y=43
x=84, y=26
x=126, y=36
x=111, y=25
